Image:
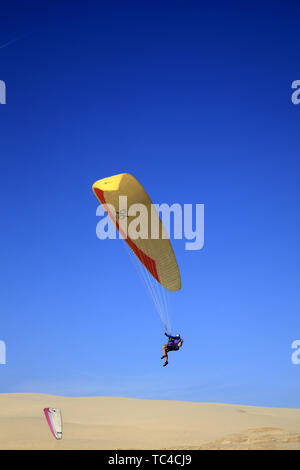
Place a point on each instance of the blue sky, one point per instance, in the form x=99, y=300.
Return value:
x=193, y=99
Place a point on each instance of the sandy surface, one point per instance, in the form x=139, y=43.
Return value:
x=125, y=423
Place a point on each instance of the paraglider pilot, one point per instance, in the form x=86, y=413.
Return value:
x=174, y=343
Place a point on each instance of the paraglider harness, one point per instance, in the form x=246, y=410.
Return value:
x=172, y=344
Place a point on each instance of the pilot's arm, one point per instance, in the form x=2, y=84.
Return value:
x=172, y=337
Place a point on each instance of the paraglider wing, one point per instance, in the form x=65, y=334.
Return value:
x=54, y=420
x=156, y=254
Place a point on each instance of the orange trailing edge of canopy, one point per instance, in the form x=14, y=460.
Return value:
x=156, y=254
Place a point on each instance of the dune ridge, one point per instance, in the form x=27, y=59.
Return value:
x=128, y=423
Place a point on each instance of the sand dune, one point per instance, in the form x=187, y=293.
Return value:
x=125, y=423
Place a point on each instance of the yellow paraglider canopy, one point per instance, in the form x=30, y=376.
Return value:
x=154, y=252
